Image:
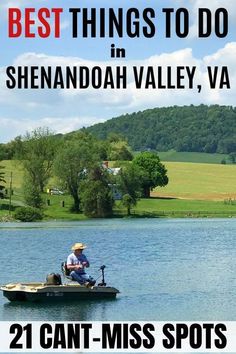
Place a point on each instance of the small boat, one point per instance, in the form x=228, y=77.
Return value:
x=70, y=290
x=44, y=292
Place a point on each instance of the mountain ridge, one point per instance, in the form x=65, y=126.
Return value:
x=202, y=128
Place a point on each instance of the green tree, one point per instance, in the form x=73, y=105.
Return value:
x=32, y=193
x=2, y=182
x=128, y=203
x=37, y=151
x=115, y=137
x=72, y=162
x=3, y=152
x=7, y=151
x=128, y=182
x=96, y=195
x=120, y=150
x=153, y=174
x=232, y=157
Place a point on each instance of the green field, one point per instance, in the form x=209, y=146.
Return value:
x=193, y=190
x=199, y=181
x=184, y=208
x=17, y=177
x=196, y=157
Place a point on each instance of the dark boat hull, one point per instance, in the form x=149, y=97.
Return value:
x=55, y=293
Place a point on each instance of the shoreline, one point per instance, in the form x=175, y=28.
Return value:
x=154, y=207
x=145, y=215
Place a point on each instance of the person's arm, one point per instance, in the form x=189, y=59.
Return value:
x=85, y=263
x=72, y=266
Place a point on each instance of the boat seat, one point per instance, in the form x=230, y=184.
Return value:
x=65, y=271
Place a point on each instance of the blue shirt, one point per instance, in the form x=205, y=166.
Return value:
x=74, y=260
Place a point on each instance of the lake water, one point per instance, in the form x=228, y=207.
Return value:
x=166, y=269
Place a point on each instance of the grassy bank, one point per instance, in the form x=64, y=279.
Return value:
x=185, y=208
x=193, y=190
x=153, y=207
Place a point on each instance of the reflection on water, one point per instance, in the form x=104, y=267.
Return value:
x=57, y=311
x=179, y=269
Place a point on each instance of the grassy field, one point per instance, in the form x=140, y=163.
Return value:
x=56, y=211
x=196, y=157
x=17, y=177
x=199, y=181
x=193, y=190
x=184, y=208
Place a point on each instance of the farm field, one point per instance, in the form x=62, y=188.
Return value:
x=199, y=181
x=186, y=180
x=196, y=157
x=15, y=167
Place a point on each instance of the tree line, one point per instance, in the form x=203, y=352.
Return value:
x=209, y=129
x=77, y=161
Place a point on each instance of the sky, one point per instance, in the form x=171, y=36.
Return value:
x=66, y=110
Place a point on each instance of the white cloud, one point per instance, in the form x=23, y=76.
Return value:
x=11, y=127
x=66, y=110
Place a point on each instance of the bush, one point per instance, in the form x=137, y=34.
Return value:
x=28, y=214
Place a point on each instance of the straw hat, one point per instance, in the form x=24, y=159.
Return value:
x=78, y=246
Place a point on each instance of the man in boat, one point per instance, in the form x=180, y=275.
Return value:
x=76, y=264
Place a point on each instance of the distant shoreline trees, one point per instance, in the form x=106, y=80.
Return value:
x=209, y=129
x=77, y=162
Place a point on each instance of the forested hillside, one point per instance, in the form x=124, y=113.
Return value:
x=189, y=128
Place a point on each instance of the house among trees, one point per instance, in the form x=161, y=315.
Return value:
x=113, y=171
